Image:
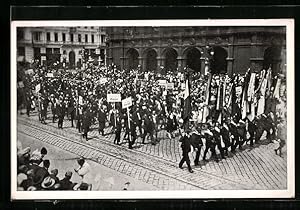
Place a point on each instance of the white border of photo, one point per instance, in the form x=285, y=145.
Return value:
x=213, y=194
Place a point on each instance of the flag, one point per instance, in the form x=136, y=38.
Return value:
x=187, y=101
x=220, y=97
x=277, y=88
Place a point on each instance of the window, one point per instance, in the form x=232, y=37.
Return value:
x=56, y=50
x=92, y=38
x=48, y=36
x=79, y=37
x=37, y=36
x=21, y=51
x=86, y=38
x=63, y=37
x=72, y=37
x=48, y=50
x=92, y=27
x=102, y=38
x=36, y=53
x=56, y=37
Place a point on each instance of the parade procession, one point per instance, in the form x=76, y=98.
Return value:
x=211, y=116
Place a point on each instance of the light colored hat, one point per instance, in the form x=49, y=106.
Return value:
x=25, y=151
x=21, y=177
x=48, y=182
x=31, y=188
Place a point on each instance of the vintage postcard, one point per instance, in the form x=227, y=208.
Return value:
x=152, y=109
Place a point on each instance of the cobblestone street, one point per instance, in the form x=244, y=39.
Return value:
x=252, y=168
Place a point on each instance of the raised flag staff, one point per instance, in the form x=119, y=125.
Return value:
x=126, y=103
x=187, y=101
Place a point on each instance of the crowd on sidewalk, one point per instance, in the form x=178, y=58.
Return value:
x=33, y=172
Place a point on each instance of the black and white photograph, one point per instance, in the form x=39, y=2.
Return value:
x=152, y=109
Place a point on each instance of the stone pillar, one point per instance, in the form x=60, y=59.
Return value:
x=160, y=63
x=230, y=66
x=230, y=57
x=256, y=60
x=141, y=63
x=123, y=62
x=202, y=65
x=181, y=63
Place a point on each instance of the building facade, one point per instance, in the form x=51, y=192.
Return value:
x=69, y=45
x=226, y=49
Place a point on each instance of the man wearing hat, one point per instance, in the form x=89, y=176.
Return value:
x=186, y=148
x=61, y=110
x=101, y=119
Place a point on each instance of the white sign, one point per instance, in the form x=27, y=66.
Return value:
x=127, y=102
x=50, y=75
x=43, y=58
x=103, y=80
x=170, y=86
x=238, y=90
x=38, y=88
x=165, y=93
x=114, y=97
x=80, y=100
x=162, y=82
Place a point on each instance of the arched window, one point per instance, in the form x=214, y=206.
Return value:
x=151, y=62
x=72, y=59
x=132, y=56
x=219, y=62
x=170, y=59
x=193, y=61
x=272, y=58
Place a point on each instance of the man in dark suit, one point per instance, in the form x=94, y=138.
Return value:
x=210, y=144
x=217, y=135
x=148, y=129
x=86, y=122
x=186, y=148
x=118, y=130
x=60, y=109
x=251, y=127
x=137, y=118
x=225, y=136
x=71, y=110
x=101, y=120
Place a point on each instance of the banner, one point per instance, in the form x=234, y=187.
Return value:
x=50, y=75
x=103, y=80
x=162, y=82
x=114, y=97
x=127, y=102
x=170, y=86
